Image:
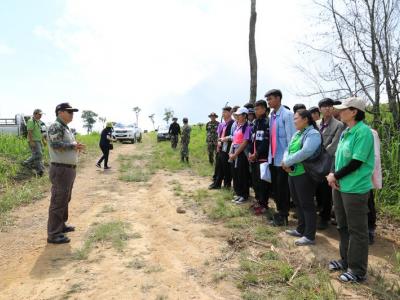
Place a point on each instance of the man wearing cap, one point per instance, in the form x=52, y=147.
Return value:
x=282, y=129
x=222, y=171
x=63, y=150
x=212, y=136
x=185, y=140
x=174, y=131
x=330, y=129
x=35, y=142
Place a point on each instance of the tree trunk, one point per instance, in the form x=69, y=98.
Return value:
x=252, y=53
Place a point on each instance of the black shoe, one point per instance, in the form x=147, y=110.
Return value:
x=214, y=187
x=279, y=220
x=68, y=229
x=107, y=168
x=322, y=225
x=59, y=239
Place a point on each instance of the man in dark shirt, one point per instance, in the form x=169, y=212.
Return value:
x=174, y=131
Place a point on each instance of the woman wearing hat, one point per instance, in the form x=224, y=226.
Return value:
x=351, y=183
x=238, y=158
x=105, y=145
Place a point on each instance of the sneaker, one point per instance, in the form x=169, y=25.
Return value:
x=336, y=265
x=351, y=278
x=259, y=210
x=235, y=198
x=293, y=232
x=98, y=165
x=322, y=225
x=107, y=168
x=303, y=241
x=241, y=200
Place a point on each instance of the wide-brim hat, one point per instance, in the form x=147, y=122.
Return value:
x=213, y=114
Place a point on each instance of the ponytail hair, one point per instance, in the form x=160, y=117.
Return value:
x=306, y=114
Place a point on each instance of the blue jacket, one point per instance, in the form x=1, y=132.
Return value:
x=284, y=131
x=311, y=140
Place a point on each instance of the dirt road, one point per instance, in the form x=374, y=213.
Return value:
x=171, y=257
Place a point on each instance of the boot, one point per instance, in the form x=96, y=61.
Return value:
x=187, y=159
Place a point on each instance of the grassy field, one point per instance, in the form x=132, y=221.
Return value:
x=19, y=186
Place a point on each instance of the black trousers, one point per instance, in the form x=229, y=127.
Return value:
x=280, y=190
x=302, y=189
x=261, y=187
x=106, y=152
x=222, y=172
x=371, y=211
x=241, y=175
x=323, y=195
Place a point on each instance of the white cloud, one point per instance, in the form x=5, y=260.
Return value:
x=6, y=50
x=132, y=52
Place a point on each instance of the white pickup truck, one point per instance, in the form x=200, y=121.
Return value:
x=13, y=126
x=129, y=133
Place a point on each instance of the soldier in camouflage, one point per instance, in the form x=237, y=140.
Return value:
x=174, y=132
x=212, y=137
x=185, y=140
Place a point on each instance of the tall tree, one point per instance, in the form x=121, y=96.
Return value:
x=151, y=117
x=168, y=114
x=137, y=111
x=252, y=53
x=89, y=119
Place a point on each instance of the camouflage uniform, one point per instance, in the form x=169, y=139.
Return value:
x=185, y=140
x=212, y=139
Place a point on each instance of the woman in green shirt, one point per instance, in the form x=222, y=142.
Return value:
x=305, y=143
x=351, y=183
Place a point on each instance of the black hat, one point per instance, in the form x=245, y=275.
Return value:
x=326, y=102
x=273, y=92
x=298, y=106
x=337, y=102
x=185, y=120
x=227, y=108
x=261, y=102
x=174, y=119
x=213, y=114
x=314, y=109
x=249, y=105
x=65, y=106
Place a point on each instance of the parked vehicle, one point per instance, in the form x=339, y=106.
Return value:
x=162, y=134
x=129, y=133
x=14, y=126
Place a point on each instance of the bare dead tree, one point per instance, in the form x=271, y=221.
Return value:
x=252, y=53
x=361, y=52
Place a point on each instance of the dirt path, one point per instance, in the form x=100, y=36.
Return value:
x=173, y=257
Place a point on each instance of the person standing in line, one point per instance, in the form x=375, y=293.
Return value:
x=305, y=144
x=63, y=150
x=258, y=154
x=281, y=131
x=174, y=132
x=105, y=145
x=330, y=129
x=212, y=137
x=316, y=114
x=35, y=140
x=222, y=172
x=352, y=182
x=185, y=140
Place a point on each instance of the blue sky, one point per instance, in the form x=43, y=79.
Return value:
x=111, y=55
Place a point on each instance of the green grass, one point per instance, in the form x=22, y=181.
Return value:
x=114, y=233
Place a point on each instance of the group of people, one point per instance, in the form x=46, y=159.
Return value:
x=268, y=147
x=175, y=131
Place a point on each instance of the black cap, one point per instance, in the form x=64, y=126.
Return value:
x=273, y=92
x=249, y=105
x=261, y=102
x=298, y=106
x=65, y=106
x=337, y=102
x=174, y=119
x=326, y=102
x=314, y=109
x=185, y=120
x=227, y=108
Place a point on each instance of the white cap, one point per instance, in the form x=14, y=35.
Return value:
x=241, y=110
x=352, y=102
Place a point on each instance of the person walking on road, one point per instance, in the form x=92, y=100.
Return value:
x=106, y=145
x=63, y=150
x=212, y=137
x=35, y=139
x=174, y=132
x=185, y=140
